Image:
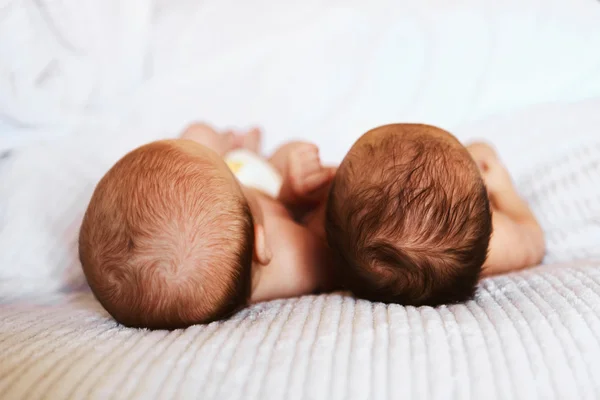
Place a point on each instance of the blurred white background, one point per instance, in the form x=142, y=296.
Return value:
x=321, y=69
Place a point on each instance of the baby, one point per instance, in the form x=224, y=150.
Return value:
x=413, y=217
x=187, y=231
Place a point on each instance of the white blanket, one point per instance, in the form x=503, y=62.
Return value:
x=83, y=82
x=322, y=70
x=527, y=336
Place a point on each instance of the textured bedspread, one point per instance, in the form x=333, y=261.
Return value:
x=533, y=335
x=96, y=78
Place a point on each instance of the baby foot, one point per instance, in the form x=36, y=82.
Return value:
x=221, y=143
x=250, y=140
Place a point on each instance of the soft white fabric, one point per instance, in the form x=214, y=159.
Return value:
x=533, y=335
x=322, y=70
x=94, y=78
x=254, y=171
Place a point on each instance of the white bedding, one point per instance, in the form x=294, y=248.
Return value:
x=325, y=70
x=83, y=82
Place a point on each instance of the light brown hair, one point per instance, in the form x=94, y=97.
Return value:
x=163, y=244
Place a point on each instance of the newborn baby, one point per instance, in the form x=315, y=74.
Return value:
x=415, y=218
x=172, y=238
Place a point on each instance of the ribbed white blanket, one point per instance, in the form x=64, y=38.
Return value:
x=527, y=336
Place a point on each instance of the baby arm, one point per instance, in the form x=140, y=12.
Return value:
x=305, y=179
x=517, y=240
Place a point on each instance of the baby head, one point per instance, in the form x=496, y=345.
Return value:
x=167, y=240
x=408, y=218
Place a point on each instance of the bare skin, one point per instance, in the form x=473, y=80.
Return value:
x=292, y=258
x=224, y=142
x=305, y=179
x=517, y=240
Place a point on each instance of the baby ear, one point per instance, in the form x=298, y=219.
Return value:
x=262, y=251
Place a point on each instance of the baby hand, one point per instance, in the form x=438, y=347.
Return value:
x=307, y=175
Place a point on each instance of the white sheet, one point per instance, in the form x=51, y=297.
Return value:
x=528, y=336
x=323, y=70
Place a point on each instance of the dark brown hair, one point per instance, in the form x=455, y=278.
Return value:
x=163, y=244
x=408, y=219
